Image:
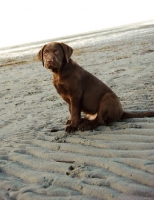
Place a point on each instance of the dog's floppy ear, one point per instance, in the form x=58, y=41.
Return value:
x=40, y=55
x=67, y=51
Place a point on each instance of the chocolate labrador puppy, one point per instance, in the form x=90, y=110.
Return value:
x=82, y=91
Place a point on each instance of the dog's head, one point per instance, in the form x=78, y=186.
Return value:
x=54, y=55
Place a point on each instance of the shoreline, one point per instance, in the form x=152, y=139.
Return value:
x=27, y=53
x=86, y=35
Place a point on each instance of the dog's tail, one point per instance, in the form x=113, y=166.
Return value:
x=137, y=115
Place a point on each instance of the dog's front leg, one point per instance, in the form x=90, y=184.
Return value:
x=75, y=111
x=69, y=120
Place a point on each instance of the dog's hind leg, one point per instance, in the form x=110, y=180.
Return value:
x=109, y=110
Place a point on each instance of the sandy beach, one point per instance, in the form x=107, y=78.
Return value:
x=113, y=162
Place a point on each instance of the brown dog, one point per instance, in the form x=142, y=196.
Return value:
x=82, y=91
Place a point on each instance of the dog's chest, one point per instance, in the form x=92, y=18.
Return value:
x=59, y=85
x=62, y=90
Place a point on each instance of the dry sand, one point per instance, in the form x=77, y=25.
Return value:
x=112, y=162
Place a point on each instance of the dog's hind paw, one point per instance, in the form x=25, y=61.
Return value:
x=88, y=125
x=84, y=126
x=70, y=129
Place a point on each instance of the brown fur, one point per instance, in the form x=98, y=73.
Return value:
x=82, y=91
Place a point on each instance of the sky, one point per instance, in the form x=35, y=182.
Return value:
x=24, y=21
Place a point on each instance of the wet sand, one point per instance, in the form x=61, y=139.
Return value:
x=111, y=162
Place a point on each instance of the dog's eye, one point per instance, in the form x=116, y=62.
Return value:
x=57, y=51
x=45, y=52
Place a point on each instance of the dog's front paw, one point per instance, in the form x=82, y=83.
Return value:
x=70, y=129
